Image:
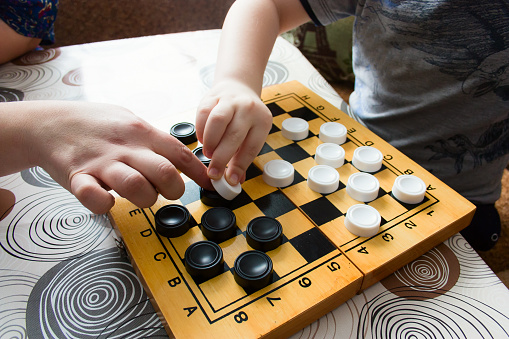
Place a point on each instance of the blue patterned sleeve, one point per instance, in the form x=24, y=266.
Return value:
x=31, y=18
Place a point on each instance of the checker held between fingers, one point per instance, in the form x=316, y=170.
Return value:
x=232, y=123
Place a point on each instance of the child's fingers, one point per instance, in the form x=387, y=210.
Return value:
x=217, y=123
x=245, y=155
x=91, y=194
x=230, y=143
x=202, y=114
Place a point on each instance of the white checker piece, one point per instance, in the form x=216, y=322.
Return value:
x=295, y=129
x=362, y=187
x=278, y=173
x=333, y=132
x=330, y=154
x=409, y=189
x=367, y=159
x=363, y=220
x=323, y=179
x=226, y=190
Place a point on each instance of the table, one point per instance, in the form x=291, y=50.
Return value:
x=63, y=274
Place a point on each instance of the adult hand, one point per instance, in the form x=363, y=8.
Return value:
x=90, y=148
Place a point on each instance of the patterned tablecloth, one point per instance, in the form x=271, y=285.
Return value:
x=62, y=274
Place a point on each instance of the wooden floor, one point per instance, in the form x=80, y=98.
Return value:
x=497, y=258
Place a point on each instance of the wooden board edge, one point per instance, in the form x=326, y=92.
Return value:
x=140, y=276
x=417, y=250
x=317, y=311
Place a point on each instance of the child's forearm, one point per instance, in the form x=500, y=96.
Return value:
x=249, y=33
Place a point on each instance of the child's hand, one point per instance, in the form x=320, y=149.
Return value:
x=232, y=123
x=90, y=148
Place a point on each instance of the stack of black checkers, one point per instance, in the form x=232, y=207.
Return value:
x=198, y=151
x=186, y=133
x=252, y=270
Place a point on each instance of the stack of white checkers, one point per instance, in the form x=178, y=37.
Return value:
x=361, y=219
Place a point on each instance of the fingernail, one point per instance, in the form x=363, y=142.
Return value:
x=213, y=173
x=234, y=179
x=207, y=153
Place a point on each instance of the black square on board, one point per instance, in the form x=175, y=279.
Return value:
x=297, y=178
x=274, y=129
x=312, y=245
x=274, y=204
x=321, y=211
x=275, y=109
x=240, y=200
x=265, y=149
x=381, y=193
x=199, y=281
x=303, y=113
x=252, y=172
x=292, y=153
x=408, y=206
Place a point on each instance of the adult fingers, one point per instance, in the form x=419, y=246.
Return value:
x=91, y=194
x=182, y=158
x=159, y=171
x=129, y=183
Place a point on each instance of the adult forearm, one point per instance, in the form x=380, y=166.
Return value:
x=16, y=121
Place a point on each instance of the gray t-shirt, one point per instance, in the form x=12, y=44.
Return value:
x=432, y=78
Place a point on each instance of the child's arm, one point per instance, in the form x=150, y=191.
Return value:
x=90, y=148
x=232, y=122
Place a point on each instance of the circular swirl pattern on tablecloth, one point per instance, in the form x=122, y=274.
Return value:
x=450, y=315
x=31, y=78
x=73, y=78
x=10, y=94
x=340, y=323
x=37, y=57
x=11, y=181
x=37, y=176
x=432, y=274
x=474, y=271
x=95, y=296
x=275, y=73
x=15, y=287
x=60, y=227
x=285, y=52
x=320, y=86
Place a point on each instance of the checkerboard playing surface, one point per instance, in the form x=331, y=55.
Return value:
x=307, y=266
x=319, y=265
